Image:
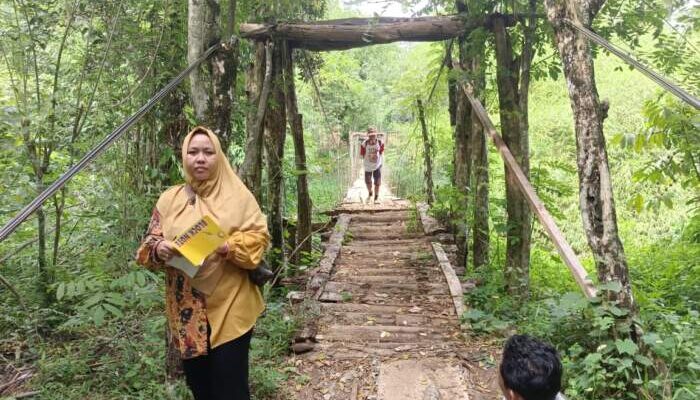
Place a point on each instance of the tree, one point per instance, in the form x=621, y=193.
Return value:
x=480, y=156
x=258, y=87
x=513, y=78
x=212, y=88
x=303, y=229
x=595, y=186
x=275, y=134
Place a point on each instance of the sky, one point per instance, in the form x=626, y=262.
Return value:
x=386, y=8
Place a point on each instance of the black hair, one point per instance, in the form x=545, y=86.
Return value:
x=531, y=368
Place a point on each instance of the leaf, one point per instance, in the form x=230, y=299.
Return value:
x=573, y=301
x=644, y=360
x=116, y=299
x=651, y=338
x=612, y=286
x=626, y=346
x=80, y=288
x=593, y=358
x=638, y=203
x=94, y=299
x=114, y=310
x=141, y=278
x=98, y=315
x=474, y=315
x=694, y=366
x=618, y=312
x=60, y=291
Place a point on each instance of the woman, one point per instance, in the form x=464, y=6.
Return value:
x=211, y=316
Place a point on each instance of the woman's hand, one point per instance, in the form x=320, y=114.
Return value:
x=166, y=250
x=223, y=249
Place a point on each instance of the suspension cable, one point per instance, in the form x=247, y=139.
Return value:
x=673, y=27
x=104, y=144
x=656, y=77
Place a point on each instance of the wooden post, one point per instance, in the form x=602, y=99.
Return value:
x=462, y=157
x=517, y=266
x=427, y=154
x=565, y=251
x=259, y=84
x=303, y=227
x=481, y=239
x=275, y=130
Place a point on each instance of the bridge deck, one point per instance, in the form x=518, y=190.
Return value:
x=387, y=327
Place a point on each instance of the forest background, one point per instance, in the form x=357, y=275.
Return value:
x=78, y=318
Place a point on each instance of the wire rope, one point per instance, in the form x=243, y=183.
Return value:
x=651, y=74
x=30, y=208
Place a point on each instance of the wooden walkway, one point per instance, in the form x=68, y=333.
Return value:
x=381, y=316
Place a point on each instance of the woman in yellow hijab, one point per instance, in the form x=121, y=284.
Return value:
x=211, y=316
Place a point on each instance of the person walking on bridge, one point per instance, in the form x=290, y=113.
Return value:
x=371, y=151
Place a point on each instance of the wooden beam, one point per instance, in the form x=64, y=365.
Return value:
x=348, y=33
x=453, y=282
x=565, y=251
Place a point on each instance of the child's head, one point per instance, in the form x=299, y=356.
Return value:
x=530, y=370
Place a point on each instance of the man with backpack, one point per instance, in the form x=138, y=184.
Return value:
x=371, y=151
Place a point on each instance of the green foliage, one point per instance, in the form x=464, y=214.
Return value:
x=90, y=299
x=598, y=362
x=672, y=135
x=269, y=346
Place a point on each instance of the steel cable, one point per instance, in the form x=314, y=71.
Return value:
x=30, y=208
x=656, y=77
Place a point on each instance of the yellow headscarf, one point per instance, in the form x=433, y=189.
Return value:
x=223, y=197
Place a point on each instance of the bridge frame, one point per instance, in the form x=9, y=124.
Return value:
x=350, y=33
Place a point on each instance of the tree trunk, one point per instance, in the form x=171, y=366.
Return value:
x=224, y=64
x=517, y=266
x=202, y=30
x=303, y=226
x=462, y=158
x=595, y=186
x=480, y=234
x=348, y=33
x=427, y=153
x=275, y=129
x=212, y=86
x=259, y=79
x=451, y=91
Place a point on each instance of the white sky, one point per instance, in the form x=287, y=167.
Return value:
x=383, y=8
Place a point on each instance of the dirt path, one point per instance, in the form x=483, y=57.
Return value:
x=386, y=326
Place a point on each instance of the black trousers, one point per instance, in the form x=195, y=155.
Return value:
x=223, y=373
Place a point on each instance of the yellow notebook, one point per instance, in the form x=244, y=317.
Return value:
x=196, y=243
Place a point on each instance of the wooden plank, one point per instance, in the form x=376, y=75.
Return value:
x=565, y=251
x=327, y=262
x=452, y=281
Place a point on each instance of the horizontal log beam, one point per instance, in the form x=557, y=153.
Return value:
x=343, y=34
